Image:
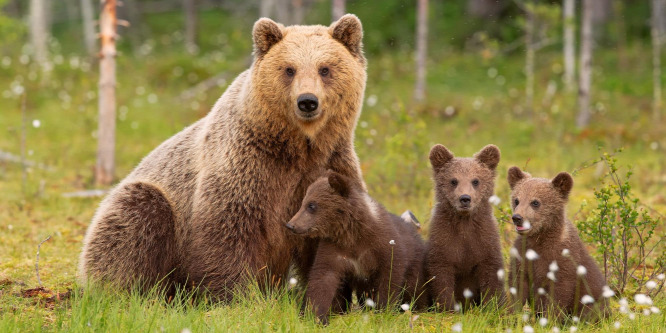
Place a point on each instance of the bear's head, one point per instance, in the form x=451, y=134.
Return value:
x=325, y=212
x=538, y=203
x=310, y=76
x=464, y=184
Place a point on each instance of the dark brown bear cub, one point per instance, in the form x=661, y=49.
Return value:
x=362, y=247
x=463, y=253
x=561, y=277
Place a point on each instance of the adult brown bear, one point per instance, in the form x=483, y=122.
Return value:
x=208, y=206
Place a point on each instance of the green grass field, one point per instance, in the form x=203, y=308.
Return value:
x=472, y=101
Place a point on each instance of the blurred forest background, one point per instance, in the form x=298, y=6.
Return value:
x=570, y=85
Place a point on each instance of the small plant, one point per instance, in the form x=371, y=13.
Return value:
x=628, y=239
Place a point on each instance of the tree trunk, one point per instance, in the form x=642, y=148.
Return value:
x=485, y=8
x=107, y=96
x=421, y=50
x=656, y=31
x=529, y=56
x=39, y=35
x=88, y=26
x=338, y=9
x=297, y=12
x=621, y=31
x=569, y=44
x=585, y=80
x=190, y=8
x=266, y=9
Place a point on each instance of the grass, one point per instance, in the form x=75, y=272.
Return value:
x=468, y=107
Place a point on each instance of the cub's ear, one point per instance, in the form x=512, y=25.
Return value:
x=348, y=31
x=489, y=156
x=439, y=156
x=563, y=183
x=515, y=175
x=265, y=34
x=338, y=183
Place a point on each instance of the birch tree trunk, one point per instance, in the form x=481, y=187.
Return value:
x=585, y=80
x=421, y=50
x=656, y=32
x=569, y=44
x=338, y=9
x=266, y=9
x=107, y=96
x=88, y=26
x=39, y=35
x=190, y=9
x=529, y=57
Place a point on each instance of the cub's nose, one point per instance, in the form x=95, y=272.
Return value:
x=307, y=102
x=517, y=219
x=465, y=199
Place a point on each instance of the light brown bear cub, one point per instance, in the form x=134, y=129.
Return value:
x=463, y=253
x=362, y=247
x=560, y=276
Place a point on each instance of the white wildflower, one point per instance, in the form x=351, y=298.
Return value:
x=651, y=285
x=372, y=100
x=541, y=291
x=646, y=312
x=36, y=123
x=654, y=309
x=551, y=276
x=543, y=321
x=457, y=307
x=581, y=270
x=624, y=309
x=531, y=255
x=573, y=329
x=514, y=253
x=624, y=302
x=642, y=299
x=500, y=274
x=513, y=291
x=370, y=303
x=566, y=252
x=556, y=329
x=467, y=293
x=457, y=327
x=608, y=292
x=587, y=299
x=392, y=242
x=186, y=330
x=293, y=281
x=526, y=317
x=528, y=329
x=617, y=325
x=494, y=200
x=405, y=307
x=553, y=267
x=661, y=277
x=526, y=225
x=575, y=319
x=632, y=316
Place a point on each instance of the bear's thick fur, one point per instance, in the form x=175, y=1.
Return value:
x=464, y=251
x=551, y=281
x=362, y=248
x=208, y=206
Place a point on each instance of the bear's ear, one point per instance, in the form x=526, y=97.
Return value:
x=265, y=34
x=515, y=175
x=563, y=183
x=338, y=183
x=439, y=156
x=489, y=156
x=348, y=31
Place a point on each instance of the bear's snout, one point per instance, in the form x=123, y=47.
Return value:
x=465, y=200
x=517, y=219
x=308, y=103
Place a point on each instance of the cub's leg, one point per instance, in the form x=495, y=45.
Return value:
x=324, y=281
x=131, y=239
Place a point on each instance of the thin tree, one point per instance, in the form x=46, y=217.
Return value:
x=656, y=32
x=105, y=166
x=190, y=9
x=569, y=44
x=39, y=34
x=585, y=80
x=266, y=9
x=338, y=9
x=88, y=26
x=529, y=55
x=421, y=50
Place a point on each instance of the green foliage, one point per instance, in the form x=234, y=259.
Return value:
x=11, y=29
x=629, y=241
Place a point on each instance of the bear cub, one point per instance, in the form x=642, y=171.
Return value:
x=464, y=256
x=561, y=277
x=362, y=247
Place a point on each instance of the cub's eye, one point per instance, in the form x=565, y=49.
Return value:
x=290, y=71
x=515, y=202
x=323, y=71
x=454, y=182
x=312, y=207
x=475, y=182
x=535, y=204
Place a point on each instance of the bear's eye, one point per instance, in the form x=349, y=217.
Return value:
x=323, y=71
x=290, y=71
x=475, y=182
x=515, y=202
x=454, y=182
x=535, y=204
x=312, y=207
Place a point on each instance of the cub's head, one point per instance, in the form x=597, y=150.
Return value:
x=538, y=203
x=310, y=75
x=464, y=184
x=325, y=208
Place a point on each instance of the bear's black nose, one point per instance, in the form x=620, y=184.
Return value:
x=465, y=199
x=517, y=219
x=307, y=102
